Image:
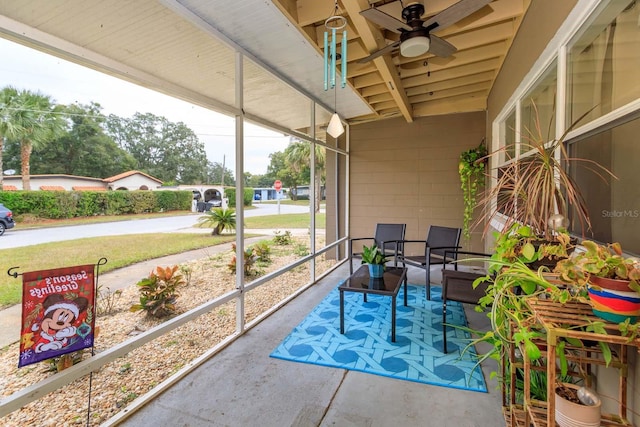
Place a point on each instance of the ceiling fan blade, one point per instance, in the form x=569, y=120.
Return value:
x=388, y=48
x=441, y=47
x=454, y=13
x=384, y=20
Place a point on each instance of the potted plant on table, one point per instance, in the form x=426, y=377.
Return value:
x=375, y=258
x=611, y=280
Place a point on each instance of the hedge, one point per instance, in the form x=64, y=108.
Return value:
x=72, y=204
x=247, y=200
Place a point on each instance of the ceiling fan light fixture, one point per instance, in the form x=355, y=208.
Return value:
x=335, y=128
x=415, y=46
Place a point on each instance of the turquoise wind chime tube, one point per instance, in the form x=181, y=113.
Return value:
x=331, y=54
x=343, y=58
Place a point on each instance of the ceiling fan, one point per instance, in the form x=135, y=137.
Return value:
x=415, y=33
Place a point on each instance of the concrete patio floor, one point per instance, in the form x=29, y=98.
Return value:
x=243, y=386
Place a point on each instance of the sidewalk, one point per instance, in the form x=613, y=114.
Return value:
x=10, y=318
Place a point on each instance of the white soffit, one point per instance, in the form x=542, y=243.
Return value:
x=261, y=29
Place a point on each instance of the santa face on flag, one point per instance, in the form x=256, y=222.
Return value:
x=57, y=313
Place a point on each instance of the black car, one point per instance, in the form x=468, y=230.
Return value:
x=6, y=219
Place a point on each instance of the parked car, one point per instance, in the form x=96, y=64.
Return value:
x=6, y=219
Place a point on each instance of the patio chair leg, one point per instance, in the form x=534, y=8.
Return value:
x=444, y=327
x=428, y=283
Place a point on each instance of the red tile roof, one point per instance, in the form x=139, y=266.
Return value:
x=129, y=173
x=52, y=188
x=6, y=187
x=87, y=188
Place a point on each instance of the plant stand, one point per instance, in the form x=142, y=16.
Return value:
x=558, y=320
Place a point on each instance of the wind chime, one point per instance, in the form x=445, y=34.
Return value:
x=333, y=24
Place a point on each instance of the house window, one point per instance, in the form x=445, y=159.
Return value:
x=603, y=63
x=537, y=119
x=613, y=204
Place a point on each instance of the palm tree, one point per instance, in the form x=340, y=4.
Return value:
x=8, y=128
x=298, y=158
x=38, y=123
x=218, y=219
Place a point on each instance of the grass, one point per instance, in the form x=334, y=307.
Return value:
x=284, y=221
x=120, y=251
x=28, y=223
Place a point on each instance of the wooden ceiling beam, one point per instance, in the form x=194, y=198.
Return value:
x=367, y=80
x=448, y=93
x=461, y=104
x=448, y=84
x=383, y=97
x=372, y=40
x=452, y=73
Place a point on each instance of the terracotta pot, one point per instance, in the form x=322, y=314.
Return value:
x=613, y=300
x=570, y=414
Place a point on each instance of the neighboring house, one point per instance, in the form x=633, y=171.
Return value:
x=131, y=180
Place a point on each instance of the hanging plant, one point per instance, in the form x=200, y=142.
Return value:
x=471, y=169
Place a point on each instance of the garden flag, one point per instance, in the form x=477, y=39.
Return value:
x=57, y=312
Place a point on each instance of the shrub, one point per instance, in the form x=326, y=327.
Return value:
x=262, y=251
x=250, y=259
x=158, y=292
x=283, y=239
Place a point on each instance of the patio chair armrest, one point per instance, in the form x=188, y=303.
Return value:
x=455, y=253
x=357, y=239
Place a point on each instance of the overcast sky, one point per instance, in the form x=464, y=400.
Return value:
x=69, y=83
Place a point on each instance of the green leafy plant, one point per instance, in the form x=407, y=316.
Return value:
x=283, y=239
x=262, y=251
x=218, y=219
x=471, y=168
x=250, y=259
x=373, y=255
x=159, y=291
x=519, y=242
x=602, y=261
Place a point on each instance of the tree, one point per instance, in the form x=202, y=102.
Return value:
x=9, y=104
x=279, y=169
x=85, y=149
x=39, y=122
x=215, y=174
x=169, y=151
x=298, y=159
x=218, y=219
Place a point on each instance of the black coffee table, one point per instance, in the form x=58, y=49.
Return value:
x=388, y=285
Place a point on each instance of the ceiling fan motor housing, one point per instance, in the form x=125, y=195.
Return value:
x=414, y=42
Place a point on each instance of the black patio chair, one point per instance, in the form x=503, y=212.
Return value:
x=386, y=238
x=438, y=240
x=457, y=285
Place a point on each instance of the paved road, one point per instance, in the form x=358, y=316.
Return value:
x=16, y=238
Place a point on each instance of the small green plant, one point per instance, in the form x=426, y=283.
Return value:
x=301, y=250
x=186, y=271
x=283, y=239
x=65, y=361
x=218, y=219
x=262, y=251
x=107, y=300
x=250, y=259
x=471, y=169
x=159, y=292
x=373, y=255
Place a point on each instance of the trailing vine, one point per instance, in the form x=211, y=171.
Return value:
x=471, y=170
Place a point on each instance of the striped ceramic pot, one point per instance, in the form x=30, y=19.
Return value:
x=613, y=300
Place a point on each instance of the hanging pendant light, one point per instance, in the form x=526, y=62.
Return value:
x=333, y=24
x=335, y=128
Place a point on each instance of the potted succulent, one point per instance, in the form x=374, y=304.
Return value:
x=611, y=279
x=375, y=258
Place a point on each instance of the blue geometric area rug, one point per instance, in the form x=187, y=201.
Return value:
x=366, y=344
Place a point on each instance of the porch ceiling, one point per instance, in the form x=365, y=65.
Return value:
x=184, y=48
